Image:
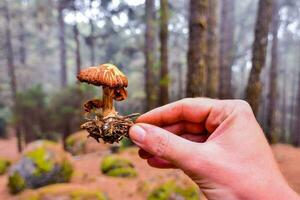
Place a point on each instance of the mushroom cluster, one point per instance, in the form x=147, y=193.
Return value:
x=106, y=123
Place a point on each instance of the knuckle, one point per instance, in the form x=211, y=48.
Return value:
x=185, y=100
x=244, y=108
x=242, y=104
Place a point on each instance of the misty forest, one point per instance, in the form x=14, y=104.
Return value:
x=169, y=50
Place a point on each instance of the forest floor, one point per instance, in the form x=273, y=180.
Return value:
x=88, y=174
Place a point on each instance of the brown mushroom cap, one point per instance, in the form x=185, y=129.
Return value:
x=105, y=74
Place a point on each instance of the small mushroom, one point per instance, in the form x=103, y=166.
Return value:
x=113, y=82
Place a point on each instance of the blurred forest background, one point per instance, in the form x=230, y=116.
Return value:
x=168, y=49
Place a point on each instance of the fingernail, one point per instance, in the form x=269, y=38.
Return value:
x=137, y=133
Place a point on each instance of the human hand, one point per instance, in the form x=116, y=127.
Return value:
x=217, y=143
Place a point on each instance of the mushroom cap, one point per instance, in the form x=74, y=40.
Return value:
x=105, y=75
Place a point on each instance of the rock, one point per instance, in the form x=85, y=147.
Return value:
x=4, y=164
x=118, y=167
x=64, y=192
x=171, y=191
x=42, y=163
x=78, y=143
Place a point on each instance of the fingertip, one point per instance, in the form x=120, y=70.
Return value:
x=137, y=134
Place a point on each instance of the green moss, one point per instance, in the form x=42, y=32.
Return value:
x=122, y=172
x=4, y=164
x=33, y=196
x=40, y=158
x=64, y=191
x=45, y=164
x=118, y=167
x=165, y=191
x=70, y=141
x=87, y=195
x=112, y=162
x=125, y=143
x=76, y=143
x=66, y=170
x=16, y=183
x=189, y=193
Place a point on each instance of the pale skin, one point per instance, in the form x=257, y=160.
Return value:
x=217, y=143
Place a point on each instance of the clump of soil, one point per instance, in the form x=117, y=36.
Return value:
x=110, y=129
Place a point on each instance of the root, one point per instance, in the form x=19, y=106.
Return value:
x=109, y=129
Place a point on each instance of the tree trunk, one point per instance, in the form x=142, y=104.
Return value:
x=91, y=38
x=196, y=77
x=149, y=55
x=226, y=49
x=164, y=74
x=11, y=67
x=178, y=67
x=296, y=129
x=22, y=33
x=292, y=107
x=212, y=59
x=92, y=42
x=62, y=45
x=67, y=132
x=273, y=94
x=259, y=49
x=63, y=56
x=283, y=106
x=77, y=48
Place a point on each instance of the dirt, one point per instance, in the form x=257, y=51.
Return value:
x=288, y=159
x=88, y=174
x=123, y=188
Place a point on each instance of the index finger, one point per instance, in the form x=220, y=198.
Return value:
x=194, y=110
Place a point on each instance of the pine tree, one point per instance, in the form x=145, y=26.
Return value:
x=212, y=49
x=196, y=77
x=164, y=74
x=273, y=94
x=11, y=66
x=149, y=55
x=259, y=50
x=226, y=49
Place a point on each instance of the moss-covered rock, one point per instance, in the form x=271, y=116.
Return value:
x=79, y=143
x=42, y=163
x=170, y=190
x=76, y=143
x=118, y=167
x=122, y=172
x=16, y=182
x=4, y=164
x=64, y=191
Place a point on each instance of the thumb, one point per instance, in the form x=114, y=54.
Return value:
x=163, y=144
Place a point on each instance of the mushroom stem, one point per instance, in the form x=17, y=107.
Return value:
x=108, y=106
